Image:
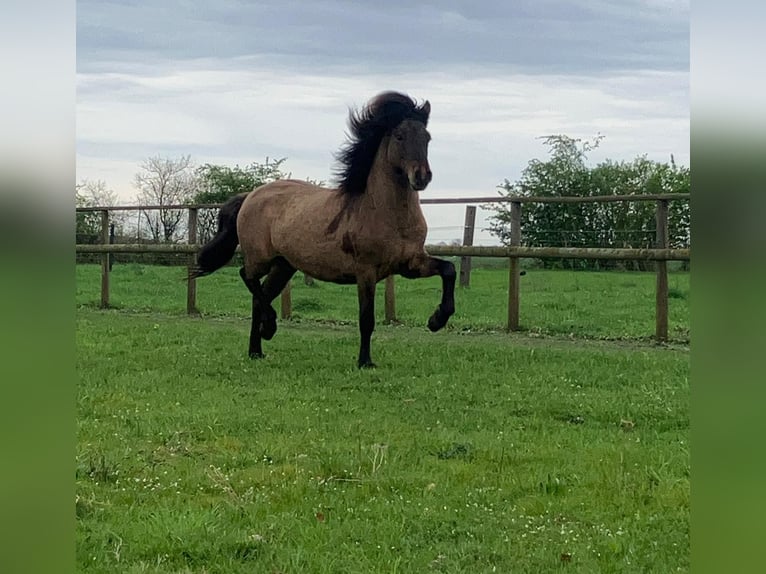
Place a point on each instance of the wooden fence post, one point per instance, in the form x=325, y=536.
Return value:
x=514, y=269
x=105, y=260
x=390, y=300
x=286, y=300
x=191, y=284
x=465, y=261
x=661, y=332
x=111, y=242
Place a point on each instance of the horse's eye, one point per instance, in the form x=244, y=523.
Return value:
x=399, y=137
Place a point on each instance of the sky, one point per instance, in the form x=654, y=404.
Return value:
x=233, y=82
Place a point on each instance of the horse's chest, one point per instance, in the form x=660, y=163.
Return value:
x=392, y=245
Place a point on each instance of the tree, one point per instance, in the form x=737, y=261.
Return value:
x=619, y=224
x=220, y=182
x=217, y=183
x=165, y=182
x=564, y=174
x=90, y=193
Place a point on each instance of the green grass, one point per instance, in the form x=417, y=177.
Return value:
x=601, y=305
x=469, y=450
x=462, y=452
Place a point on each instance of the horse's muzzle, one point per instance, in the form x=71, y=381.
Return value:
x=420, y=177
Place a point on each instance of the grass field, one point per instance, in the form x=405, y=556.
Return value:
x=611, y=305
x=465, y=451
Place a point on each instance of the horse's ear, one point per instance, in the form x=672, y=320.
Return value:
x=426, y=107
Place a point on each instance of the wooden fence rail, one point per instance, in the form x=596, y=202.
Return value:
x=520, y=251
x=443, y=201
x=514, y=252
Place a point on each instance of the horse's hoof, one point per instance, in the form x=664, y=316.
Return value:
x=367, y=365
x=438, y=320
x=256, y=355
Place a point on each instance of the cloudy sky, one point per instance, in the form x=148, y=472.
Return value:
x=232, y=82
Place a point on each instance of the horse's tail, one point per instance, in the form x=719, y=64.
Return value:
x=218, y=251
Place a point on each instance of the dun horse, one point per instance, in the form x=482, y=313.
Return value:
x=369, y=227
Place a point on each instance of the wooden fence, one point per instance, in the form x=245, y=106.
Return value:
x=514, y=252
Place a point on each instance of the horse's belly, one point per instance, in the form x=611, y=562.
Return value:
x=325, y=265
x=340, y=268
x=337, y=257
x=342, y=279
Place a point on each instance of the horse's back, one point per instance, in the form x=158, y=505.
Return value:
x=287, y=200
x=281, y=190
x=288, y=218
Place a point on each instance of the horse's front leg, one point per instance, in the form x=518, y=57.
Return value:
x=426, y=266
x=366, y=291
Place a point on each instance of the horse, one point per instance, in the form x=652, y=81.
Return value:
x=366, y=228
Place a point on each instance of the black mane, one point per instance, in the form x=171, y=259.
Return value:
x=368, y=126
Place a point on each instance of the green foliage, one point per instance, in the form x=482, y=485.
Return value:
x=217, y=183
x=220, y=182
x=89, y=193
x=460, y=453
x=611, y=225
x=88, y=223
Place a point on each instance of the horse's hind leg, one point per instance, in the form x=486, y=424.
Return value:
x=281, y=272
x=255, y=349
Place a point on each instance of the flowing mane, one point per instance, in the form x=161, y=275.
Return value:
x=368, y=126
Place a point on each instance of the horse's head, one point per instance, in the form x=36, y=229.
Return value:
x=392, y=128
x=408, y=151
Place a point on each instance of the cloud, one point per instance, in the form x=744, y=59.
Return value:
x=233, y=82
x=530, y=36
x=487, y=121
